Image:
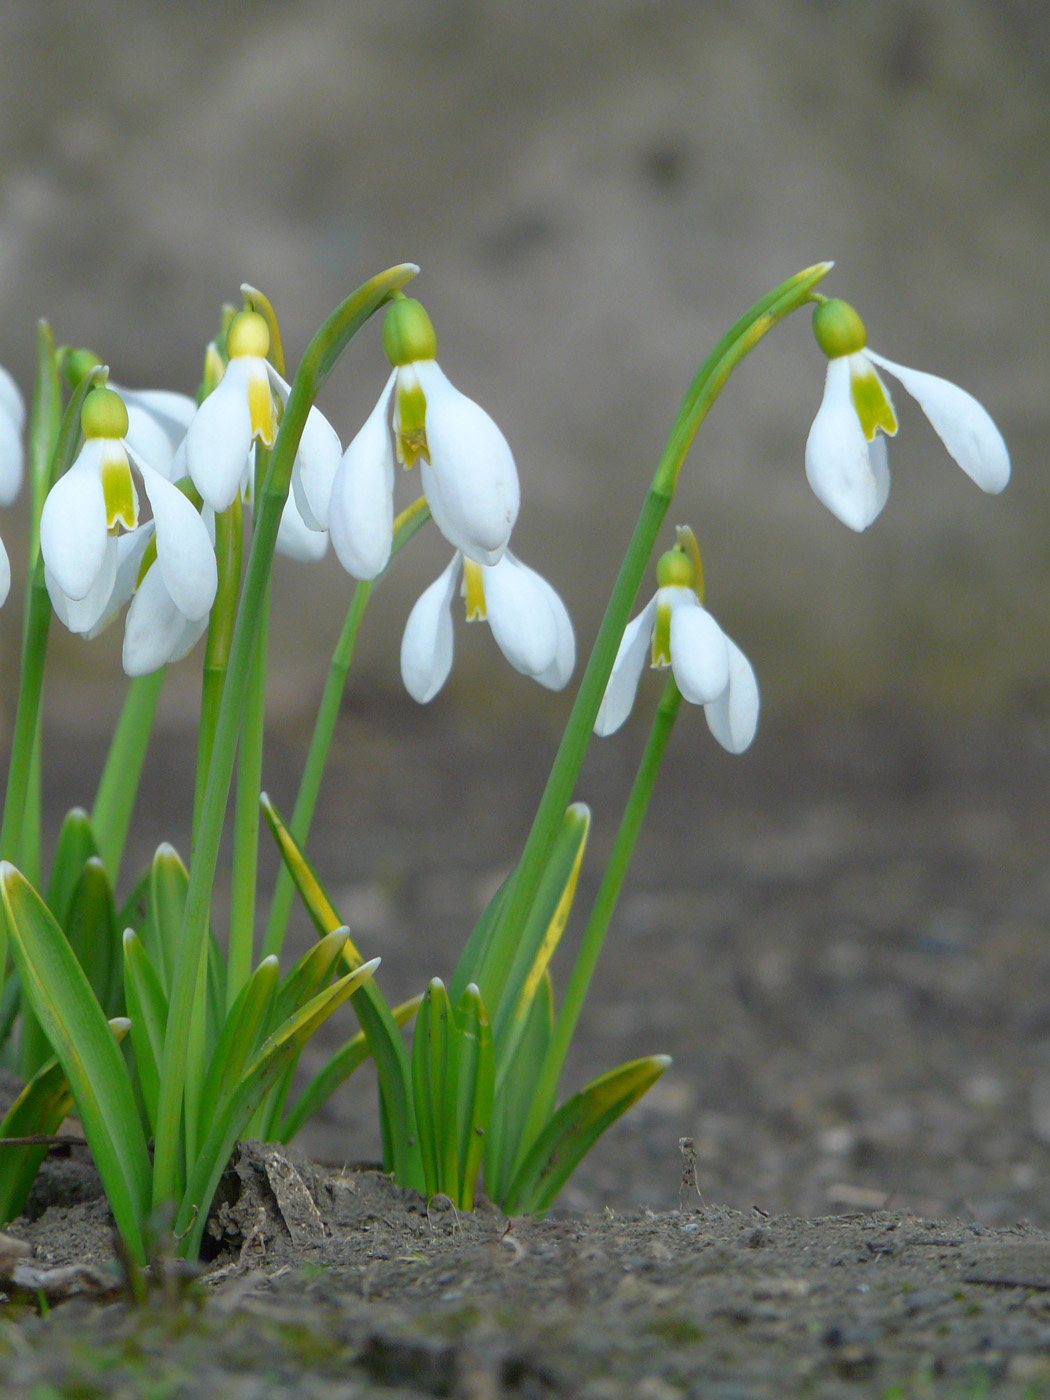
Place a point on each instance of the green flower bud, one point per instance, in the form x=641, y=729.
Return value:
x=248, y=334
x=838, y=328
x=79, y=363
x=104, y=415
x=407, y=332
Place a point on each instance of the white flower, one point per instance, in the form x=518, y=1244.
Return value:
x=674, y=629
x=846, y=461
x=12, y=419
x=528, y=620
x=83, y=512
x=242, y=410
x=468, y=473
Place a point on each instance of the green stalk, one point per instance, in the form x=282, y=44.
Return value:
x=318, y=362
x=240, y=951
x=229, y=535
x=712, y=375
x=119, y=784
x=405, y=526
x=602, y=911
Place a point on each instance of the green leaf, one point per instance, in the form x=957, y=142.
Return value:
x=91, y=927
x=75, y=846
x=310, y=972
x=537, y=939
x=515, y=1099
x=574, y=1130
x=400, y=1150
x=236, y=1110
x=477, y=1083
x=247, y=1026
x=346, y=1059
x=147, y=1006
x=67, y=1009
x=476, y=946
x=168, y=883
x=434, y=1090
x=38, y=1111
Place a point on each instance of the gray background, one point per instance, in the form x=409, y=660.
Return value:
x=594, y=192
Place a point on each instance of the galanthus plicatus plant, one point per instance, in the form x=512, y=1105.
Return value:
x=124, y=1005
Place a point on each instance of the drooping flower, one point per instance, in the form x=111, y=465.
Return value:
x=468, y=473
x=674, y=629
x=846, y=459
x=243, y=410
x=528, y=620
x=86, y=509
x=12, y=453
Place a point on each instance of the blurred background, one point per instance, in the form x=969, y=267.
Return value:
x=593, y=192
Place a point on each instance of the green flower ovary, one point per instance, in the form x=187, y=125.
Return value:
x=408, y=334
x=838, y=328
x=104, y=415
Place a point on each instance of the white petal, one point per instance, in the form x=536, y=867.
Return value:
x=627, y=671
x=361, y=513
x=12, y=403
x=220, y=437
x=128, y=552
x=158, y=420
x=961, y=423
x=73, y=532
x=155, y=627
x=470, y=482
x=733, y=717
x=5, y=574
x=426, y=647
x=86, y=615
x=184, y=549
x=838, y=464
x=521, y=617
x=559, y=672
x=12, y=453
x=699, y=653
x=296, y=539
x=316, y=464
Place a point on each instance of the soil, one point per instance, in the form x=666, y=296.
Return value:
x=841, y=940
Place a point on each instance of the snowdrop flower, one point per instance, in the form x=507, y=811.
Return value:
x=846, y=451
x=528, y=620
x=674, y=629
x=12, y=456
x=468, y=473
x=242, y=410
x=85, y=509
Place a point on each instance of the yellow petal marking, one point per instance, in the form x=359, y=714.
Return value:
x=260, y=406
x=662, y=636
x=410, y=420
x=870, y=398
x=474, y=591
x=118, y=489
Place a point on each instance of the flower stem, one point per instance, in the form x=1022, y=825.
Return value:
x=405, y=526
x=119, y=784
x=712, y=375
x=229, y=535
x=318, y=362
x=602, y=910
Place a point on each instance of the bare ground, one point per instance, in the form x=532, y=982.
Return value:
x=841, y=940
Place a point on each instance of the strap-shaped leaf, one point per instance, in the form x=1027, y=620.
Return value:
x=512, y=970
x=477, y=1081
x=473, y=955
x=91, y=927
x=237, y=1108
x=339, y=1068
x=75, y=846
x=400, y=1148
x=434, y=1076
x=67, y=1009
x=168, y=883
x=147, y=1007
x=247, y=1026
x=39, y=1110
x=574, y=1130
x=310, y=972
x=515, y=1097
